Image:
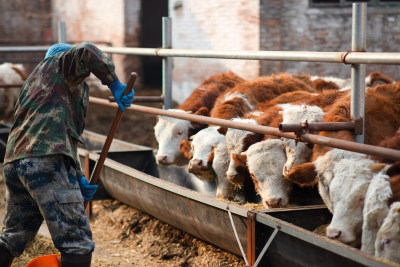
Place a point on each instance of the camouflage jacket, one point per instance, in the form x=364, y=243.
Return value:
x=49, y=116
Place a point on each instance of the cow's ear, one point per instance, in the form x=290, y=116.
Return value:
x=186, y=148
x=303, y=175
x=240, y=159
x=222, y=130
x=377, y=167
x=203, y=111
x=394, y=169
x=211, y=156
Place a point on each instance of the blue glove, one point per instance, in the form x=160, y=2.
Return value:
x=87, y=189
x=117, y=88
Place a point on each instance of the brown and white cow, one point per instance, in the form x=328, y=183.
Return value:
x=382, y=109
x=10, y=74
x=238, y=141
x=244, y=98
x=170, y=131
x=387, y=243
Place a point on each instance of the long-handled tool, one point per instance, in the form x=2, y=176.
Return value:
x=110, y=136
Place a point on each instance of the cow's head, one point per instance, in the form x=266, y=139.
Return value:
x=265, y=161
x=387, y=244
x=375, y=210
x=220, y=162
x=298, y=152
x=199, y=150
x=347, y=191
x=237, y=141
x=169, y=132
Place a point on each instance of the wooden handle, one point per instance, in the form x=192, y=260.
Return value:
x=99, y=165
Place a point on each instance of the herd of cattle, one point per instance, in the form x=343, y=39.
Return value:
x=362, y=192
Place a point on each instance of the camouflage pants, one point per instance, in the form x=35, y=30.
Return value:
x=45, y=188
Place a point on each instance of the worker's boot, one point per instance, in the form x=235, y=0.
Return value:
x=72, y=260
x=6, y=258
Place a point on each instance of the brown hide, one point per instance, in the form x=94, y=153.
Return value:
x=209, y=90
x=379, y=77
x=241, y=167
x=321, y=84
x=304, y=174
x=186, y=148
x=259, y=90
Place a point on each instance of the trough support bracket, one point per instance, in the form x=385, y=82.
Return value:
x=271, y=238
x=237, y=237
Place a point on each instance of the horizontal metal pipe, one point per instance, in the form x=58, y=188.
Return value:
x=303, y=56
x=317, y=126
x=11, y=85
x=147, y=99
x=19, y=49
x=316, y=139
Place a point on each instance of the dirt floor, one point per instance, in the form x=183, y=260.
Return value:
x=125, y=236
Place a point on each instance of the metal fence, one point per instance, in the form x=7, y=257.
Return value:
x=357, y=57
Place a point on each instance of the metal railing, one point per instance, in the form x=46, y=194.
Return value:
x=357, y=57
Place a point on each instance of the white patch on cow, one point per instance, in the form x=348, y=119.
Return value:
x=265, y=161
x=347, y=192
x=169, y=132
x=256, y=113
x=220, y=166
x=324, y=167
x=235, y=94
x=298, y=152
x=387, y=244
x=202, y=143
x=375, y=210
x=234, y=143
x=9, y=96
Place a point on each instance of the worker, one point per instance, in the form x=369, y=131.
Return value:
x=41, y=167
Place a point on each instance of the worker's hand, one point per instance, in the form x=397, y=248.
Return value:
x=87, y=189
x=117, y=88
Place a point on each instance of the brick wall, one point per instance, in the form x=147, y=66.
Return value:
x=275, y=25
x=115, y=22
x=294, y=25
x=215, y=25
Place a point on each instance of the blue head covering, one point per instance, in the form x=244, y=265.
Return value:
x=57, y=48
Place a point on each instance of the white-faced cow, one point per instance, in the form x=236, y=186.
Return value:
x=170, y=131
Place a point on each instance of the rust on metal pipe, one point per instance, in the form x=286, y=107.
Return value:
x=147, y=99
x=317, y=126
x=305, y=137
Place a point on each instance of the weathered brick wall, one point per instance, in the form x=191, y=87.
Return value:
x=294, y=25
x=25, y=23
x=115, y=22
x=215, y=25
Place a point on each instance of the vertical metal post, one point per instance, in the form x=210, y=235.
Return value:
x=62, y=36
x=251, y=237
x=358, y=70
x=167, y=63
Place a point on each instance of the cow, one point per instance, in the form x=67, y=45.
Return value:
x=10, y=74
x=238, y=141
x=333, y=170
x=170, y=131
x=387, y=243
x=382, y=106
x=235, y=103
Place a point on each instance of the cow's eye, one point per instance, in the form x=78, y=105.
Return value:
x=179, y=133
x=385, y=242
